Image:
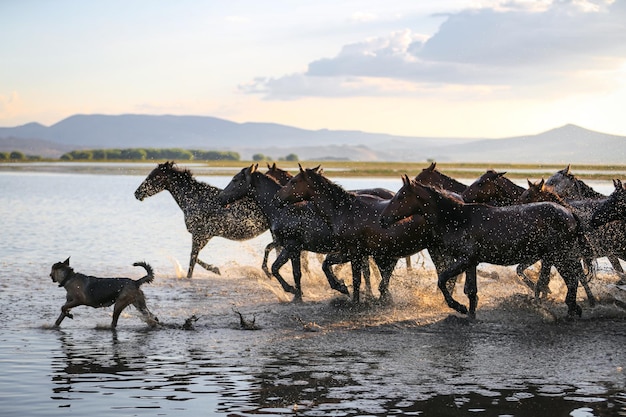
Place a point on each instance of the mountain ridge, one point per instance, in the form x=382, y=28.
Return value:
x=565, y=144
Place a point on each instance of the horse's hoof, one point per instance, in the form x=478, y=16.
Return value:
x=385, y=299
x=462, y=309
x=297, y=299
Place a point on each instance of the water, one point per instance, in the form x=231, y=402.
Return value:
x=412, y=358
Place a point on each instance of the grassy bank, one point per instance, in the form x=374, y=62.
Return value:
x=332, y=168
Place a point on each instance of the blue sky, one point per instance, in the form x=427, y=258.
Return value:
x=419, y=68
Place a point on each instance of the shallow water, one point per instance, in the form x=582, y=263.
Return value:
x=413, y=357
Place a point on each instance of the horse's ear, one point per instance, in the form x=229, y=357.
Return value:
x=500, y=174
x=67, y=261
x=542, y=184
x=617, y=183
x=317, y=169
x=300, y=166
x=406, y=180
x=255, y=167
x=432, y=166
x=530, y=184
x=567, y=169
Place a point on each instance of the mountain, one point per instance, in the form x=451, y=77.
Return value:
x=566, y=144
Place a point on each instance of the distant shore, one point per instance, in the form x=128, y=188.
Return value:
x=331, y=168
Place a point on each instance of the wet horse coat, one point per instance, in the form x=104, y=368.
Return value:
x=354, y=220
x=464, y=235
x=295, y=228
x=205, y=217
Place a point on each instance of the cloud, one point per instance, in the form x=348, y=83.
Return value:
x=509, y=46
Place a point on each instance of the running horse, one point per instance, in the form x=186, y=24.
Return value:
x=613, y=208
x=463, y=235
x=355, y=225
x=205, y=217
x=492, y=188
x=565, y=184
x=433, y=177
x=607, y=240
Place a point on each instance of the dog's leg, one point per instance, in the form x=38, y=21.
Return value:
x=126, y=297
x=65, y=311
x=63, y=315
x=140, y=305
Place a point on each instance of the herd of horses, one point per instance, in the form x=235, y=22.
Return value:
x=561, y=223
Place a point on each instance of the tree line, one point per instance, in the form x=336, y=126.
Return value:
x=140, y=154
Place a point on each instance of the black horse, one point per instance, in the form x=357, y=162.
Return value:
x=205, y=217
x=565, y=184
x=435, y=178
x=295, y=228
x=463, y=235
x=493, y=188
x=605, y=240
x=613, y=208
x=354, y=221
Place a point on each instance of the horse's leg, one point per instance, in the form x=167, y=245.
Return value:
x=521, y=272
x=357, y=268
x=304, y=259
x=296, y=268
x=330, y=260
x=409, y=266
x=197, y=244
x=584, y=280
x=441, y=264
x=617, y=266
x=471, y=290
x=542, y=289
x=571, y=271
x=451, y=272
x=270, y=246
x=386, y=267
x=281, y=260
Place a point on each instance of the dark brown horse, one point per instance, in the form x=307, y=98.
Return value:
x=431, y=176
x=613, y=208
x=565, y=184
x=606, y=240
x=355, y=225
x=463, y=235
x=205, y=217
x=296, y=228
x=493, y=188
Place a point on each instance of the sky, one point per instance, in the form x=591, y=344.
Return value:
x=445, y=68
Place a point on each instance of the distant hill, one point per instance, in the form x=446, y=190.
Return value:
x=567, y=144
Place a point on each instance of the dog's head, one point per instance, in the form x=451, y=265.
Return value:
x=61, y=271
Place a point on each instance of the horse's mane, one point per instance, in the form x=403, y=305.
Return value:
x=187, y=176
x=336, y=191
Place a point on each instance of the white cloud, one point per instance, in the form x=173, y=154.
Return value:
x=568, y=45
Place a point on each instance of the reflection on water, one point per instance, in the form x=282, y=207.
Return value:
x=409, y=358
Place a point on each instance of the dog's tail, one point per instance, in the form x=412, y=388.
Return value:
x=148, y=278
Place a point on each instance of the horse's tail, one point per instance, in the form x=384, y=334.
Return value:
x=149, y=277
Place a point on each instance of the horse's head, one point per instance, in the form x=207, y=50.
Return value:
x=614, y=208
x=156, y=181
x=239, y=186
x=280, y=175
x=301, y=186
x=536, y=192
x=412, y=199
x=485, y=189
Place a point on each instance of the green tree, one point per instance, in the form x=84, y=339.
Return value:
x=291, y=157
x=260, y=157
x=17, y=156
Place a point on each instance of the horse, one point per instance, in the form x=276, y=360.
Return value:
x=565, y=184
x=492, y=188
x=612, y=208
x=354, y=221
x=431, y=176
x=463, y=235
x=205, y=217
x=296, y=228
